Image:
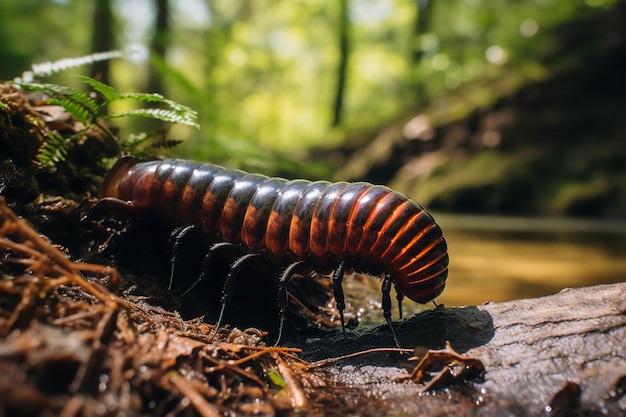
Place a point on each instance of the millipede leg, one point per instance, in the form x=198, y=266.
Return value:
x=386, y=302
x=399, y=297
x=176, y=242
x=283, y=281
x=338, y=293
x=229, y=286
x=211, y=254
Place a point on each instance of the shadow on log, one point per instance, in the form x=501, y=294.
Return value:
x=531, y=349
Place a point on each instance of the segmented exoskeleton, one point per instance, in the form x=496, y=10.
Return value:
x=297, y=224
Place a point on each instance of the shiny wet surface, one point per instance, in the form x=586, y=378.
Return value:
x=495, y=259
x=499, y=259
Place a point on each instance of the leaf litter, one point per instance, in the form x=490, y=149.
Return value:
x=76, y=348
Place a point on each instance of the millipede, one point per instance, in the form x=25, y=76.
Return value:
x=297, y=225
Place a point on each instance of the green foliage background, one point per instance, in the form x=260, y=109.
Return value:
x=263, y=75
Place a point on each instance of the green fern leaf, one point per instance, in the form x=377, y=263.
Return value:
x=134, y=141
x=171, y=116
x=156, y=98
x=61, y=92
x=77, y=110
x=85, y=100
x=166, y=143
x=84, y=108
x=54, y=149
x=105, y=90
x=51, y=89
x=49, y=68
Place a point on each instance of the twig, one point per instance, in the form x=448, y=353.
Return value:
x=222, y=365
x=104, y=324
x=352, y=355
x=182, y=385
x=48, y=251
x=298, y=397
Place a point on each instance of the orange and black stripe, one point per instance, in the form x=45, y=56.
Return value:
x=369, y=228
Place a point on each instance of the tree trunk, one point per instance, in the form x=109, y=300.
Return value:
x=102, y=38
x=424, y=11
x=159, y=45
x=342, y=68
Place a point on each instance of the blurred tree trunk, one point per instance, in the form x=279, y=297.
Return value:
x=424, y=11
x=344, y=53
x=159, y=45
x=102, y=38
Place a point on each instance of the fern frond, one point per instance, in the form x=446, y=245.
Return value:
x=79, y=111
x=54, y=149
x=164, y=143
x=134, y=141
x=156, y=98
x=62, y=92
x=105, y=90
x=51, y=89
x=154, y=141
x=49, y=68
x=171, y=116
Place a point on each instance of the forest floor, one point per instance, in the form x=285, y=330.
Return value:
x=69, y=346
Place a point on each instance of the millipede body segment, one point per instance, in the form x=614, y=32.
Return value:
x=321, y=225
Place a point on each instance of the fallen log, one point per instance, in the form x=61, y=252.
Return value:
x=578, y=335
x=573, y=342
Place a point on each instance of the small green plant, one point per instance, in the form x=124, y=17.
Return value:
x=157, y=140
x=90, y=109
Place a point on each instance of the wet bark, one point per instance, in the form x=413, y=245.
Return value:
x=530, y=348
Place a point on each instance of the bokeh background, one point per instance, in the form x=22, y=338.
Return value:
x=505, y=118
